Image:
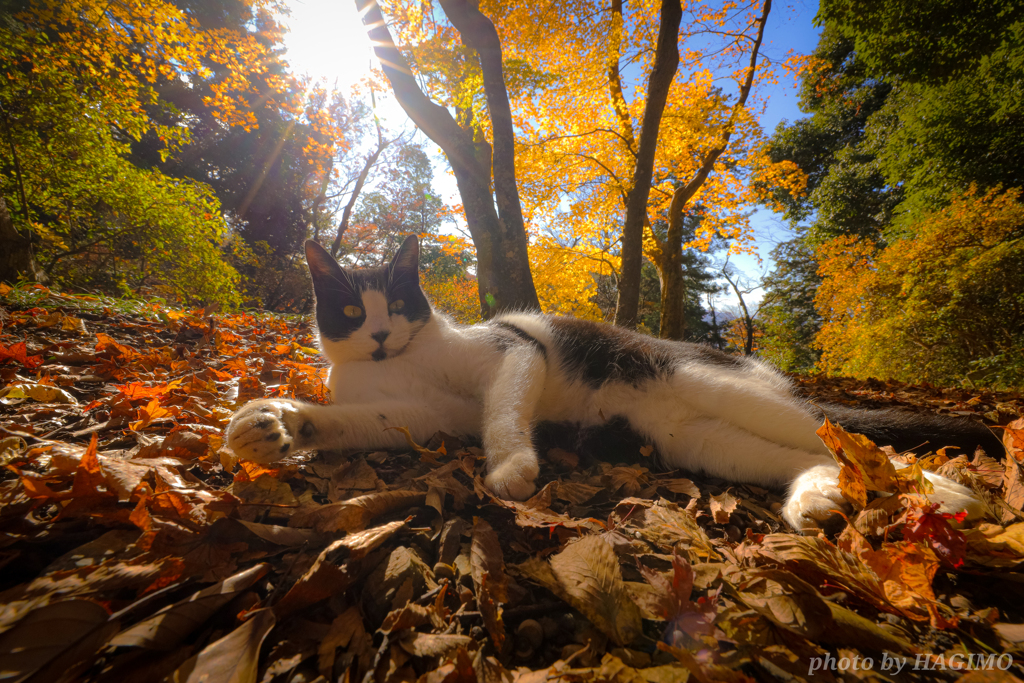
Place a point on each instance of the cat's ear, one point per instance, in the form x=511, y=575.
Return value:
x=325, y=271
x=407, y=261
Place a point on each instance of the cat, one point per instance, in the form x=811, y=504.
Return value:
x=395, y=362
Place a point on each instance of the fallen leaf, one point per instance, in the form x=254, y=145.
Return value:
x=14, y=394
x=19, y=354
x=233, y=658
x=173, y=624
x=586, y=574
x=489, y=579
x=54, y=639
x=722, y=506
x=431, y=645
x=354, y=514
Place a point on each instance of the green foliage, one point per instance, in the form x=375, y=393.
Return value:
x=930, y=41
x=847, y=192
x=80, y=88
x=787, y=315
x=912, y=102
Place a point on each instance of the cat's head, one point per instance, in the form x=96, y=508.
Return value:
x=368, y=313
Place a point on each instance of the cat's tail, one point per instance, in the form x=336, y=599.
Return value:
x=915, y=432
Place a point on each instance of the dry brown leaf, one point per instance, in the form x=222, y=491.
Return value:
x=280, y=535
x=354, y=514
x=233, y=658
x=488, y=570
x=722, y=506
x=355, y=478
x=864, y=466
x=53, y=639
x=431, y=645
x=1013, y=439
x=589, y=578
x=409, y=616
x=787, y=601
x=1013, y=488
x=347, y=631
x=664, y=524
x=576, y=492
x=90, y=580
x=320, y=582
x=264, y=490
x=626, y=481
x=680, y=485
x=991, y=545
x=173, y=624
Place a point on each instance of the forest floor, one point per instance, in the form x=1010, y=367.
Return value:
x=134, y=547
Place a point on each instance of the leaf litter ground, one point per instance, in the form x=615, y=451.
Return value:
x=135, y=547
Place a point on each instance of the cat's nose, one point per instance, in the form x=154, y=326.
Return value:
x=379, y=337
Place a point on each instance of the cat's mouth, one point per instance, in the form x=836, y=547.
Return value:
x=379, y=354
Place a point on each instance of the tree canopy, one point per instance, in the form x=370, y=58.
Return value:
x=913, y=144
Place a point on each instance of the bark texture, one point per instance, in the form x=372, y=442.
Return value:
x=673, y=287
x=16, y=256
x=495, y=220
x=666, y=61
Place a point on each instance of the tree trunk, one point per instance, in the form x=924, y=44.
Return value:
x=16, y=256
x=673, y=294
x=666, y=61
x=503, y=267
x=748, y=320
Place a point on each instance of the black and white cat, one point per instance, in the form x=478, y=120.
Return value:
x=395, y=362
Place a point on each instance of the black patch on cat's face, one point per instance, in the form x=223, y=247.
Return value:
x=404, y=281
x=335, y=288
x=598, y=353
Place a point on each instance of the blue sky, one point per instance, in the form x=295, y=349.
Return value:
x=327, y=41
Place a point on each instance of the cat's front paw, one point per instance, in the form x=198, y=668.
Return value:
x=265, y=431
x=513, y=477
x=814, y=500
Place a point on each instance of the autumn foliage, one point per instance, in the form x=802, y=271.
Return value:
x=138, y=547
x=944, y=304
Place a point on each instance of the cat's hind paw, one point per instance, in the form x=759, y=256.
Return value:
x=814, y=500
x=264, y=431
x=513, y=478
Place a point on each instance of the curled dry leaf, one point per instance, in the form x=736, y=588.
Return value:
x=233, y=658
x=354, y=514
x=325, y=578
x=14, y=394
x=431, y=645
x=722, y=506
x=488, y=570
x=586, y=574
x=174, y=623
x=864, y=466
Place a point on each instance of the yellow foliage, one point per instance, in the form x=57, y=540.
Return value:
x=564, y=277
x=577, y=126
x=943, y=305
x=454, y=296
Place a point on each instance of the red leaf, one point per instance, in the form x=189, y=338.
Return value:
x=19, y=352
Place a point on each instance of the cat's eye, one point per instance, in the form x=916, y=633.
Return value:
x=396, y=305
x=353, y=311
